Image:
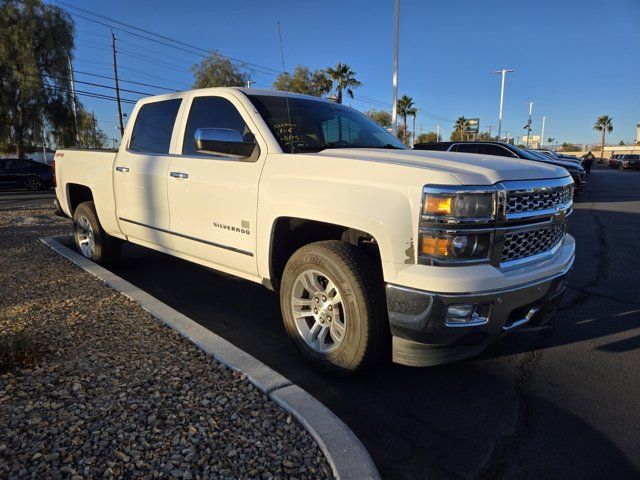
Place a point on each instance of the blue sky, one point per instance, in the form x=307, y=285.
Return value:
x=576, y=59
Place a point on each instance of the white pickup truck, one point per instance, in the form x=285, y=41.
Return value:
x=372, y=247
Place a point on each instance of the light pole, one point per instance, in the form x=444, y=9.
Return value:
x=394, y=111
x=73, y=95
x=503, y=72
x=413, y=133
x=542, y=131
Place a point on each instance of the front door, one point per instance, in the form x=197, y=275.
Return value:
x=141, y=172
x=213, y=198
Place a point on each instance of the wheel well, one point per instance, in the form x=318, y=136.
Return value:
x=77, y=195
x=290, y=233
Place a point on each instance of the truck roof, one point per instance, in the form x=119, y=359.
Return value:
x=247, y=91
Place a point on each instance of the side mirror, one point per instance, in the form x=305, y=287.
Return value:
x=222, y=141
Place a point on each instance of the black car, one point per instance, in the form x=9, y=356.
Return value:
x=27, y=174
x=501, y=149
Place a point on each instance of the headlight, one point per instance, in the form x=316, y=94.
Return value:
x=456, y=224
x=458, y=207
x=457, y=246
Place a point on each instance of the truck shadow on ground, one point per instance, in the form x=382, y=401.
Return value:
x=469, y=419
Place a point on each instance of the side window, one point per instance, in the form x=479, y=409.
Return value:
x=496, y=150
x=154, y=126
x=15, y=165
x=211, y=112
x=467, y=147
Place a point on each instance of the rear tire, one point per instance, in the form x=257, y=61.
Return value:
x=90, y=238
x=33, y=184
x=333, y=306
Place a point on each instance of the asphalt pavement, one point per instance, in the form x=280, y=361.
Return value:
x=558, y=402
x=10, y=198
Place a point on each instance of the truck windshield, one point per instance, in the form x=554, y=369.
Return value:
x=314, y=125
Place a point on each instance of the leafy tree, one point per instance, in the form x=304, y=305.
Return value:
x=621, y=143
x=304, y=81
x=91, y=136
x=459, y=129
x=405, y=108
x=569, y=147
x=381, y=117
x=218, y=71
x=36, y=41
x=344, y=79
x=484, y=137
x=428, y=137
x=603, y=124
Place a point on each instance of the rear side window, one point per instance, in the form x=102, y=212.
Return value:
x=154, y=126
x=212, y=112
x=494, y=150
x=466, y=147
x=15, y=165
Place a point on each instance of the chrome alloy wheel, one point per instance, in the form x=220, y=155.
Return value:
x=86, y=241
x=318, y=312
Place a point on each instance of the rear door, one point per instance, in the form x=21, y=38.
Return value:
x=141, y=171
x=213, y=198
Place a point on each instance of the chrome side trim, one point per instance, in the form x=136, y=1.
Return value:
x=188, y=237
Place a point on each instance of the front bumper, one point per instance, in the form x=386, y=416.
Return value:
x=422, y=336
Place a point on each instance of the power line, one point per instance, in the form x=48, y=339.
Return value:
x=163, y=37
x=126, y=81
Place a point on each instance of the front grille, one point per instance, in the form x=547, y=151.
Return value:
x=530, y=242
x=532, y=200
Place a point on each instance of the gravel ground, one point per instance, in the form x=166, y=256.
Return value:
x=104, y=390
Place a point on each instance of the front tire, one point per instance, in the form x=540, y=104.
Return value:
x=333, y=307
x=90, y=238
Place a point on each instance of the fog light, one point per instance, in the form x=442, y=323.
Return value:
x=467, y=314
x=460, y=312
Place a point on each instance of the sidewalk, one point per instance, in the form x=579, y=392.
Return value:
x=104, y=390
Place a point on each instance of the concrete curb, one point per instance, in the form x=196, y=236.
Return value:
x=345, y=453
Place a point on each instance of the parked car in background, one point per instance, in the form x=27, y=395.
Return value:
x=507, y=150
x=548, y=153
x=628, y=161
x=25, y=173
x=373, y=247
x=613, y=161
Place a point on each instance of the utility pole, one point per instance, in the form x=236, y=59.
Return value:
x=73, y=95
x=115, y=74
x=503, y=72
x=528, y=125
x=438, y=133
x=394, y=110
x=542, y=132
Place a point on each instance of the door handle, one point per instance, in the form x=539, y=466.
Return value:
x=122, y=169
x=179, y=175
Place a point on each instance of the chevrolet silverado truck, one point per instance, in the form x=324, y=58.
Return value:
x=375, y=249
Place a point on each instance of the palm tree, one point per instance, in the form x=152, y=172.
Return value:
x=344, y=79
x=461, y=126
x=405, y=107
x=603, y=124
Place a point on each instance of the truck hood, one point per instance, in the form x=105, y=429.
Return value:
x=467, y=168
